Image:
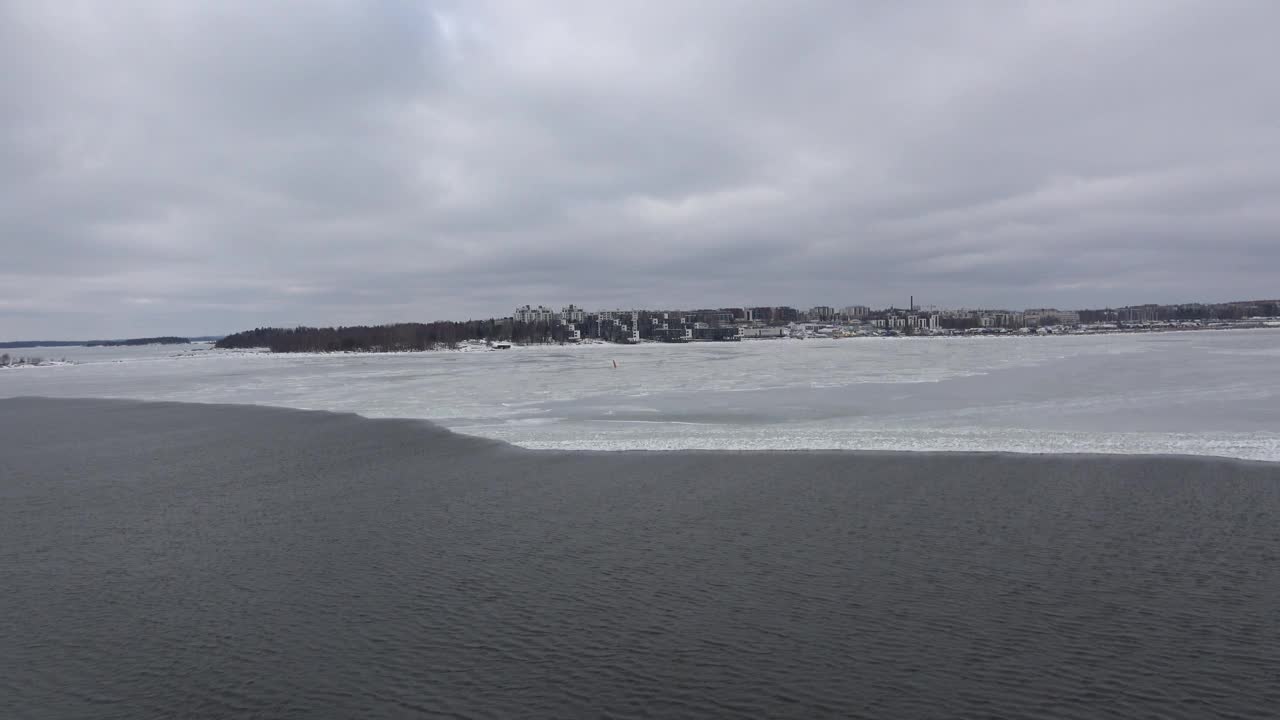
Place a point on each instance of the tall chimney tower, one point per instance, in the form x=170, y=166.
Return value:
x=912, y=306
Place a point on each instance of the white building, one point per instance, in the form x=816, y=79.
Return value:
x=540, y=314
x=914, y=322
x=572, y=314
x=761, y=332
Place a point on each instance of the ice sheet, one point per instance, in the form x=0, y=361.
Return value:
x=1212, y=393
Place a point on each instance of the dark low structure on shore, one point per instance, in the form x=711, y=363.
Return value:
x=172, y=560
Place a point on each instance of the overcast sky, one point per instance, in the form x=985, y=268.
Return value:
x=174, y=167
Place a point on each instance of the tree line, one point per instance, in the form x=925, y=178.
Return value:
x=1193, y=311
x=166, y=340
x=398, y=337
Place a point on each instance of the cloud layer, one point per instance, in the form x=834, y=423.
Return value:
x=207, y=167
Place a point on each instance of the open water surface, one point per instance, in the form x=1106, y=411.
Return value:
x=202, y=561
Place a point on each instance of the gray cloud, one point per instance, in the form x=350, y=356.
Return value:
x=206, y=167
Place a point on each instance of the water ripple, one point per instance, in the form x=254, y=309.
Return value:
x=285, y=564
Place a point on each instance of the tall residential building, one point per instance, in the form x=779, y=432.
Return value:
x=1140, y=313
x=1051, y=316
x=572, y=314
x=783, y=313
x=540, y=314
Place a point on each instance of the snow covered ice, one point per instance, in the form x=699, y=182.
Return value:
x=1207, y=393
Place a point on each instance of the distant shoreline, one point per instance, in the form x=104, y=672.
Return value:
x=127, y=342
x=477, y=346
x=464, y=346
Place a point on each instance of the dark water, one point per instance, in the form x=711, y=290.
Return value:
x=187, y=561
